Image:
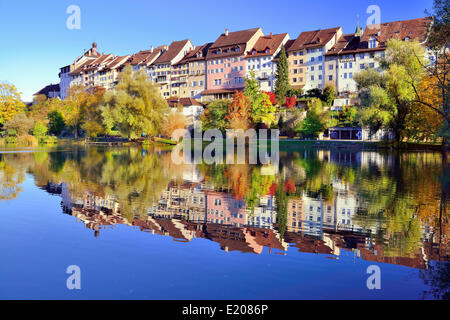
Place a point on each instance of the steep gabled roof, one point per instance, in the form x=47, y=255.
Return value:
x=47, y=89
x=145, y=56
x=346, y=43
x=271, y=42
x=174, y=49
x=81, y=68
x=226, y=44
x=313, y=39
x=415, y=29
x=117, y=62
x=198, y=54
x=288, y=44
x=237, y=37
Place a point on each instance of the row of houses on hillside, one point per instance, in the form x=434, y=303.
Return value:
x=215, y=70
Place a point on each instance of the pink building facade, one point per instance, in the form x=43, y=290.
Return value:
x=223, y=208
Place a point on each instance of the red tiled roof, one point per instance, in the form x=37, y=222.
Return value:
x=415, y=29
x=145, y=56
x=272, y=42
x=81, y=67
x=346, y=43
x=287, y=45
x=116, y=62
x=237, y=37
x=198, y=54
x=174, y=49
x=311, y=39
x=230, y=42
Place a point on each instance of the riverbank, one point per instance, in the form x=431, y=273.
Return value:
x=360, y=145
x=284, y=143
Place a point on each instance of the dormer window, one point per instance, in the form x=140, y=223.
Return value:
x=253, y=52
x=267, y=50
x=219, y=51
x=237, y=49
x=372, y=43
x=407, y=38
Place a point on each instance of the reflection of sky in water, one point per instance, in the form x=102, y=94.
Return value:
x=243, y=258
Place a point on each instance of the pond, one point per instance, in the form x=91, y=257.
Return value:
x=320, y=224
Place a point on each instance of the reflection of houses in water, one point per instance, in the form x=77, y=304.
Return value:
x=89, y=201
x=185, y=201
x=223, y=208
x=263, y=215
x=314, y=224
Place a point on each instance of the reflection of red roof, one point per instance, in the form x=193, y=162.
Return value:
x=266, y=238
x=307, y=244
x=311, y=39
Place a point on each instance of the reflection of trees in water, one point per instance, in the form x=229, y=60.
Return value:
x=135, y=179
x=398, y=197
x=11, y=179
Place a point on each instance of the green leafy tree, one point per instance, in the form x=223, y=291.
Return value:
x=214, y=115
x=135, y=106
x=93, y=120
x=315, y=121
x=39, y=129
x=387, y=98
x=282, y=77
x=329, y=94
x=262, y=109
x=55, y=122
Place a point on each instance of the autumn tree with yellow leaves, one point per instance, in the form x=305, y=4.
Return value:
x=10, y=103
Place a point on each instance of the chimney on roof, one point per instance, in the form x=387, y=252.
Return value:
x=226, y=32
x=94, y=48
x=271, y=34
x=151, y=49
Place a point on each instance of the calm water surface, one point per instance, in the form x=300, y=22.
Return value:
x=141, y=227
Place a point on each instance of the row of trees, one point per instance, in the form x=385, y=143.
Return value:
x=134, y=108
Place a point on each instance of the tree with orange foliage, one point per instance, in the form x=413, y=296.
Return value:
x=238, y=114
x=93, y=120
x=424, y=123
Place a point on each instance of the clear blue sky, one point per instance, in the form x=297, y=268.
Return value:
x=35, y=42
